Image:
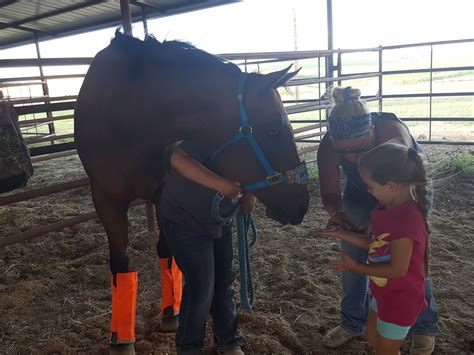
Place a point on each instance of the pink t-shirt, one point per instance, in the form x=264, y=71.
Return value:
x=399, y=300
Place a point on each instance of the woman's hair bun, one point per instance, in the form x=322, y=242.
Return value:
x=341, y=95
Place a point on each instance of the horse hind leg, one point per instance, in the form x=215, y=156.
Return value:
x=113, y=215
x=171, y=282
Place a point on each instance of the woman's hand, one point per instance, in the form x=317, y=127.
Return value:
x=247, y=202
x=363, y=228
x=332, y=232
x=339, y=219
x=346, y=264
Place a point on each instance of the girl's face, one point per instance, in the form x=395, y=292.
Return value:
x=385, y=194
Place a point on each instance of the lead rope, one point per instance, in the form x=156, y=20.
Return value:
x=244, y=222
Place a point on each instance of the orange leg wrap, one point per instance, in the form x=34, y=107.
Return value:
x=171, y=285
x=124, y=306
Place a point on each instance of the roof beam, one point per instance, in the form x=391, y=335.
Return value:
x=22, y=28
x=51, y=13
x=8, y=2
x=142, y=5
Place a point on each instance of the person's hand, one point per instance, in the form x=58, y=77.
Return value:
x=247, y=203
x=363, y=228
x=331, y=232
x=346, y=264
x=229, y=188
x=339, y=219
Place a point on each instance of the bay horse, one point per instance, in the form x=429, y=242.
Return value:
x=137, y=99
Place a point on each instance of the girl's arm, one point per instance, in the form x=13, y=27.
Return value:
x=401, y=251
x=361, y=241
x=195, y=171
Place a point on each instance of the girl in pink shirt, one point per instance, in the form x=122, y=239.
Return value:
x=397, y=245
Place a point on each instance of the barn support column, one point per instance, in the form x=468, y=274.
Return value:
x=145, y=24
x=329, y=58
x=126, y=17
x=44, y=85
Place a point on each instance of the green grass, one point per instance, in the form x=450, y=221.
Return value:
x=312, y=166
x=464, y=161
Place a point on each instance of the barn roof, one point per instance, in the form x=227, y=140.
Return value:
x=21, y=21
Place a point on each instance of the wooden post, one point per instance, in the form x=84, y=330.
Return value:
x=43, y=191
x=52, y=227
x=43, y=230
x=53, y=156
x=151, y=221
x=126, y=17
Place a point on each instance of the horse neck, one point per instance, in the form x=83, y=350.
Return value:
x=197, y=103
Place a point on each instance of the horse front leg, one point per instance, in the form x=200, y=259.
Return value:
x=113, y=215
x=171, y=282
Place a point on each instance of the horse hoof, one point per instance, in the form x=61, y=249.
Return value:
x=122, y=349
x=169, y=324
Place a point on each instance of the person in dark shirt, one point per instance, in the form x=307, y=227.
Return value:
x=202, y=247
x=352, y=131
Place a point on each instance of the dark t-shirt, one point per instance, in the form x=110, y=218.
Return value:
x=189, y=204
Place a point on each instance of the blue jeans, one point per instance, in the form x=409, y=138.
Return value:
x=206, y=264
x=355, y=300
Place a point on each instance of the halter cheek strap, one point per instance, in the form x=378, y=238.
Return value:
x=299, y=175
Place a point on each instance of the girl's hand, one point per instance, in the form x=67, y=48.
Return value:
x=346, y=264
x=247, y=203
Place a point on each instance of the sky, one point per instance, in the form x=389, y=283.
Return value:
x=269, y=25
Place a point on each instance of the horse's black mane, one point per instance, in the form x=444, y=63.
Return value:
x=171, y=52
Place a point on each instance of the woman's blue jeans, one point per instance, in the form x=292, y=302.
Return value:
x=207, y=266
x=355, y=300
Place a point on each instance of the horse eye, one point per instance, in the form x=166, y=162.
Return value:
x=274, y=132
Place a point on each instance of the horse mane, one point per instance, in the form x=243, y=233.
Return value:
x=174, y=53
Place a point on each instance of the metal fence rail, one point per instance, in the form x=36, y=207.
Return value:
x=307, y=130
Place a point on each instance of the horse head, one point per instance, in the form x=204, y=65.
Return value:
x=260, y=152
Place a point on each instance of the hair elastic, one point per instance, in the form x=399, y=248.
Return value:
x=347, y=94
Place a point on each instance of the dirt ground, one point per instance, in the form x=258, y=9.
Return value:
x=55, y=298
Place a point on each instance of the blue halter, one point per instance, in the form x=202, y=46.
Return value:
x=299, y=175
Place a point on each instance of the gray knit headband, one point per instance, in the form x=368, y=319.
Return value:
x=349, y=128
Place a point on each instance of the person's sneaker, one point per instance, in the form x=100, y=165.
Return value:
x=422, y=345
x=336, y=337
x=236, y=350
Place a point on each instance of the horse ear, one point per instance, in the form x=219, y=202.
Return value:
x=276, y=79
